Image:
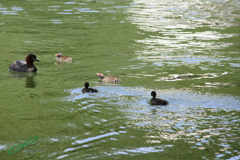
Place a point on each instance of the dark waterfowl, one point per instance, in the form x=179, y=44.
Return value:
x=157, y=101
x=88, y=90
x=25, y=65
x=108, y=78
x=61, y=58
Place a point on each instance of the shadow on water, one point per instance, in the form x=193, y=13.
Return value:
x=29, y=78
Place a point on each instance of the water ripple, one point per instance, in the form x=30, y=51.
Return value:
x=169, y=26
x=202, y=120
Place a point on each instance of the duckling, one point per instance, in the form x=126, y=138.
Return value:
x=61, y=58
x=157, y=101
x=108, y=78
x=86, y=89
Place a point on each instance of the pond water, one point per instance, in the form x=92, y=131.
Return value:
x=187, y=51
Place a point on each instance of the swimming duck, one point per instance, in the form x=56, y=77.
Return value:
x=61, y=58
x=25, y=66
x=86, y=89
x=108, y=78
x=157, y=101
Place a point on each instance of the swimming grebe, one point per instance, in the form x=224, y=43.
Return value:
x=108, y=78
x=61, y=58
x=157, y=101
x=25, y=66
x=86, y=89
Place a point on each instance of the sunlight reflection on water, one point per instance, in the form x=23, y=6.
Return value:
x=174, y=35
x=199, y=119
x=141, y=96
x=171, y=21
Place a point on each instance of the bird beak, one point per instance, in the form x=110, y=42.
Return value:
x=37, y=60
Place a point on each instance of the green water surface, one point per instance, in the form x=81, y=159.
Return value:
x=188, y=51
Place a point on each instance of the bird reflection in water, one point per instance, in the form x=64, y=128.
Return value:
x=28, y=76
